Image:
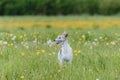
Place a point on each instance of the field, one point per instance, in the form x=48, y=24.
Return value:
x=60, y=21
x=24, y=54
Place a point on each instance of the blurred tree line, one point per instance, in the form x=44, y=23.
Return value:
x=58, y=7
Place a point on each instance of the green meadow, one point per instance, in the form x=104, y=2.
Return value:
x=24, y=54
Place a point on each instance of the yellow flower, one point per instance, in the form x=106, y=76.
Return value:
x=106, y=38
x=22, y=77
x=11, y=35
x=75, y=51
x=80, y=39
x=37, y=53
x=76, y=54
x=113, y=43
x=1, y=43
x=49, y=54
x=11, y=44
x=42, y=50
x=59, y=71
x=116, y=34
x=22, y=54
x=78, y=51
x=20, y=37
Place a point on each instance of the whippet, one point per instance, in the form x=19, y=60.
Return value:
x=65, y=53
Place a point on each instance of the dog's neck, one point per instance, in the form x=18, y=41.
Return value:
x=65, y=43
x=65, y=47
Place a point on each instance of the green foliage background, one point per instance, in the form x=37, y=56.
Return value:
x=58, y=7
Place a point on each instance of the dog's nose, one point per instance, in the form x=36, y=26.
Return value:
x=54, y=40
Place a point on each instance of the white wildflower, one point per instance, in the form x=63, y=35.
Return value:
x=49, y=43
x=97, y=79
x=35, y=41
x=83, y=36
x=94, y=43
x=100, y=37
x=107, y=44
x=5, y=42
x=13, y=38
x=96, y=39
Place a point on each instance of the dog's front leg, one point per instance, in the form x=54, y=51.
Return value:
x=60, y=57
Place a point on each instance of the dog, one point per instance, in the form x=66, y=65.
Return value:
x=65, y=54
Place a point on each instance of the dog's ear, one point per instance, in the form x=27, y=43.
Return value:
x=66, y=35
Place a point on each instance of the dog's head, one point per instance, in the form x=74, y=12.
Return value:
x=61, y=38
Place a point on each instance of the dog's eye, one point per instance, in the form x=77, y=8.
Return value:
x=59, y=37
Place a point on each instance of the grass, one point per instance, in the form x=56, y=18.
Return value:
x=27, y=57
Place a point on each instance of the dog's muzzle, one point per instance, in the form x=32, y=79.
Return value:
x=57, y=42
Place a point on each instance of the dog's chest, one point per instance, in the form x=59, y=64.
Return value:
x=65, y=50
